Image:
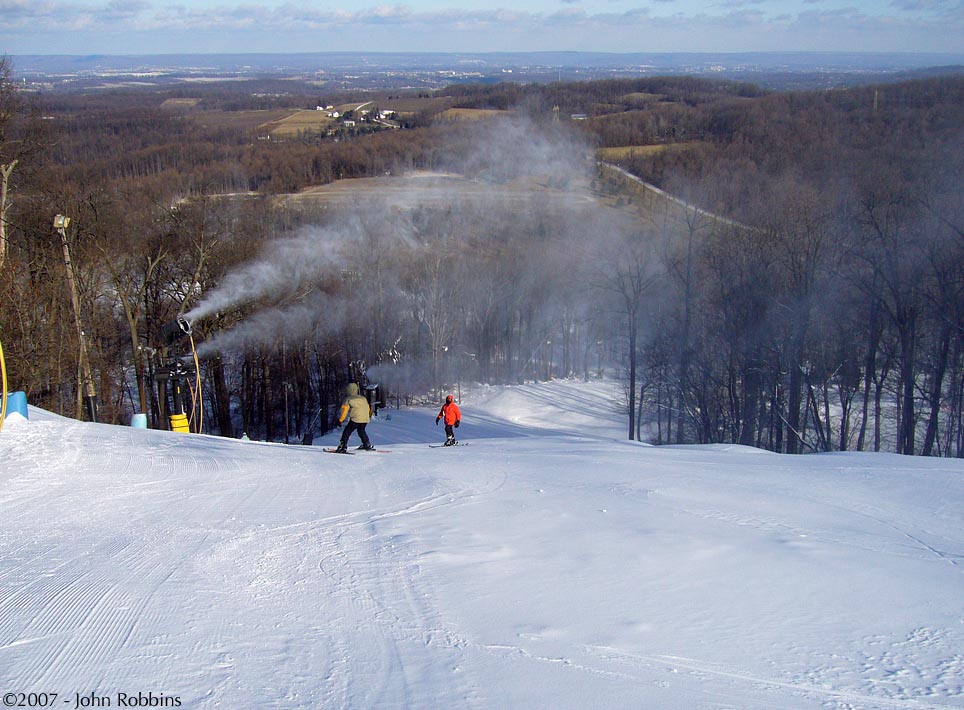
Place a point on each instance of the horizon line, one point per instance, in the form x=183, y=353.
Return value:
x=808, y=52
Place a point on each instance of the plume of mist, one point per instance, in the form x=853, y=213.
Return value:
x=315, y=313
x=283, y=268
x=402, y=376
x=514, y=147
x=283, y=285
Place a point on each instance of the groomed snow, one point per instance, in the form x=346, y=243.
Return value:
x=549, y=564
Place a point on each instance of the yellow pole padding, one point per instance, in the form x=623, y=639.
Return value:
x=179, y=423
x=3, y=370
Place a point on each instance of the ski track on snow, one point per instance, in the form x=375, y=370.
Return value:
x=92, y=610
x=308, y=590
x=391, y=617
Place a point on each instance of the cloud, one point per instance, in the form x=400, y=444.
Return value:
x=730, y=25
x=740, y=3
x=25, y=12
x=386, y=13
x=922, y=5
x=121, y=10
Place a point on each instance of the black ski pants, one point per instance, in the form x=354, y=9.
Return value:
x=353, y=427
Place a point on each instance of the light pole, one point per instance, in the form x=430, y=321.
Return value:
x=60, y=224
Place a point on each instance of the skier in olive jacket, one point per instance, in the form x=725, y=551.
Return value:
x=359, y=413
x=452, y=415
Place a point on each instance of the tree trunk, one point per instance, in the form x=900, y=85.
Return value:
x=795, y=392
x=266, y=399
x=908, y=346
x=870, y=371
x=937, y=386
x=633, y=334
x=222, y=399
x=751, y=404
x=5, y=172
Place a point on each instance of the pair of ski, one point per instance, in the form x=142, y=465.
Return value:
x=352, y=453
x=387, y=451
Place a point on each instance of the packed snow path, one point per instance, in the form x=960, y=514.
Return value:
x=548, y=565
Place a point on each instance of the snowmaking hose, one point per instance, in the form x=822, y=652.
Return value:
x=197, y=403
x=3, y=392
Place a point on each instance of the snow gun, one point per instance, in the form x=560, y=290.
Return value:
x=180, y=376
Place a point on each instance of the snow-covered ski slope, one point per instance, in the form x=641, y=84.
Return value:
x=548, y=565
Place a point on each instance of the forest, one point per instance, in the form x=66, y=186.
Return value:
x=777, y=269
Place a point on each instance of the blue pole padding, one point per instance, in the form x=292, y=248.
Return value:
x=139, y=421
x=17, y=402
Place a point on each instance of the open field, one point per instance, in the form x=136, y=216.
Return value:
x=296, y=122
x=621, y=152
x=642, y=99
x=471, y=114
x=240, y=120
x=288, y=123
x=437, y=189
x=176, y=104
x=414, y=104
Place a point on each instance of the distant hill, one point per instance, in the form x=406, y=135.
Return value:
x=771, y=69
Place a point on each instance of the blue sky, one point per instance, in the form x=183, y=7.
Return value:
x=173, y=26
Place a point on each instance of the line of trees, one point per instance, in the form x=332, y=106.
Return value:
x=834, y=324
x=830, y=316
x=811, y=298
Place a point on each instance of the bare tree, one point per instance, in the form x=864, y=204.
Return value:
x=893, y=257
x=434, y=300
x=22, y=135
x=10, y=107
x=630, y=272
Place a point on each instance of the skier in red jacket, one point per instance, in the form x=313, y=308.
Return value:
x=452, y=415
